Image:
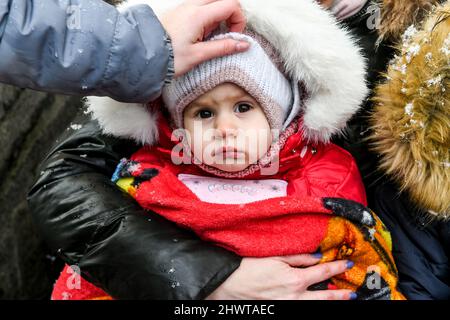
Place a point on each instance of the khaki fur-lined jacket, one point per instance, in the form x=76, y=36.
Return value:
x=411, y=135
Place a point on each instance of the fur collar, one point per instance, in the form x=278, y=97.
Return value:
x=398, y=15
x=411, y=119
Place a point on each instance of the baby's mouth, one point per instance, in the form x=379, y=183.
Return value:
x=228, y=153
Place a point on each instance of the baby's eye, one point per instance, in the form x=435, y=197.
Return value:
x=204, y=114
x=243, y=107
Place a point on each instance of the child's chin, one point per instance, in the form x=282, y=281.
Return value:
x=235, y=167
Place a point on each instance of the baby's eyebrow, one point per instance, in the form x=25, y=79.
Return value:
x=239, y=96
x=197, y=105
x=206, y=104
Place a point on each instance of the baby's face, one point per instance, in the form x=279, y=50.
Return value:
x=227, y=128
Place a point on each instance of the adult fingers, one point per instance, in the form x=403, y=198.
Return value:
x=207, y=50
x=322, y=272
x=329, y=295
x=225, y=10
x=300, y=260
x=210, y=29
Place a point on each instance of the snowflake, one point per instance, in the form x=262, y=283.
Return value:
x=402, y=68
x=134, y=167
x=404, y=91
x=435, y=81
x=367, y=217
x=428, y=57
x=412, y=52
x=409, y=33
x=409, y=109
x=76, y=126
x=372, y=232
x=445, y=49
x=66, y=295
x=395, y=59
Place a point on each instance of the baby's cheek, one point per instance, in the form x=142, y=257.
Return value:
x=257, y=148
x=196, y=142
x=206, y=150
x=195, y=147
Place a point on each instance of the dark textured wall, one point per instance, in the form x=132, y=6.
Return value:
x=30, y=122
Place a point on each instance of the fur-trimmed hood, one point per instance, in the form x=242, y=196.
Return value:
x=316, y=52
x=411, y=119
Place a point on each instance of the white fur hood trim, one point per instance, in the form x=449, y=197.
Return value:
x=316, y=51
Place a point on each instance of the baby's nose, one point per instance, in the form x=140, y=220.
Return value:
x=225, y=133
x=225, y=127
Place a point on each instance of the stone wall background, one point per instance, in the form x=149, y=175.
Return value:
x=30, y=123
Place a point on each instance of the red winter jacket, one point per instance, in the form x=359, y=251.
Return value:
x=316, y=170
x=296, y=223
x=311, y=171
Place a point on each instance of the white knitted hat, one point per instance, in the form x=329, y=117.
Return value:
x=254, y=71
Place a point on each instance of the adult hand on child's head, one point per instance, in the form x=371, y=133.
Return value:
x=280, y=278
x=192, y=21
x=343, y=9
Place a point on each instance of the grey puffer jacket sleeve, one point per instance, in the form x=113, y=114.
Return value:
x=84, y=47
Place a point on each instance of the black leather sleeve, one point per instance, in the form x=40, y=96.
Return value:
x=129, y=252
